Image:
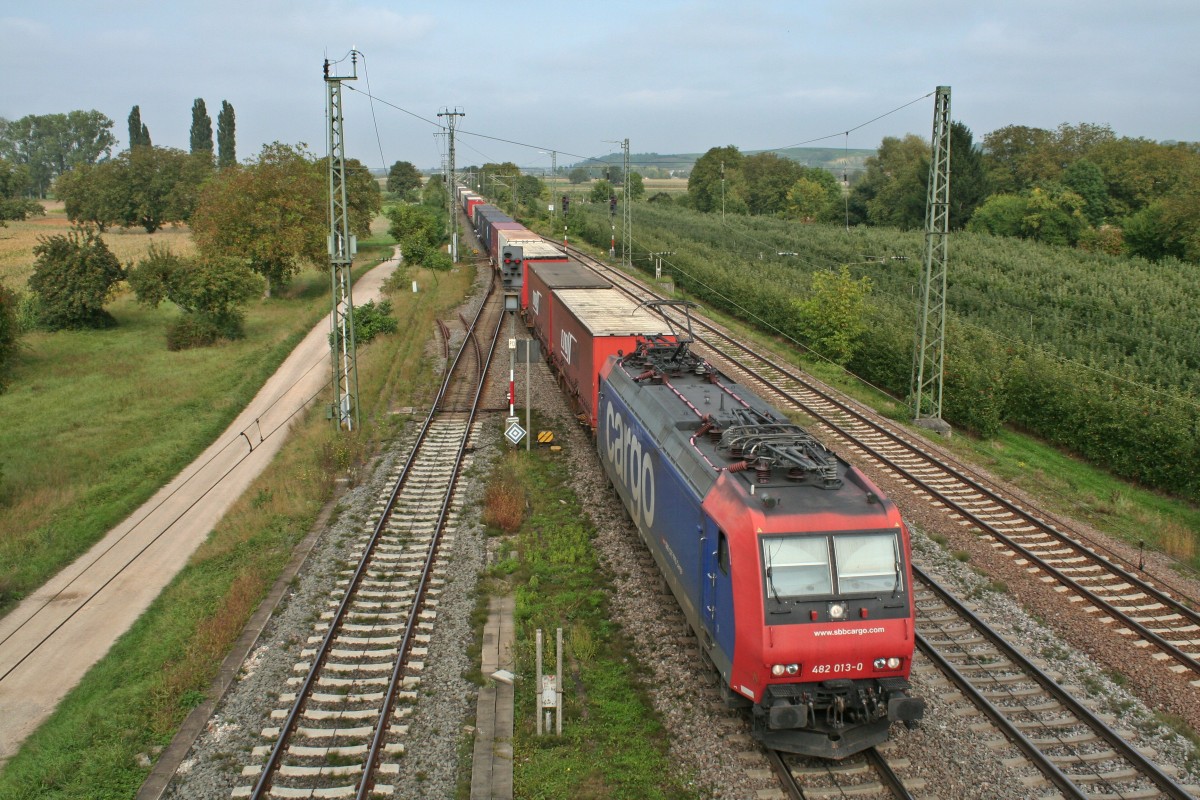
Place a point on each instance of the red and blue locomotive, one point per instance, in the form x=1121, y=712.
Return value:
x=790, y=565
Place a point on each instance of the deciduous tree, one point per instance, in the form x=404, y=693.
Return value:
x=404, y=179
x=270, y=213
x=815, y=196
x=73, y=277
x=14, y=186
x=159, y=185
x=767, y=179
x=637, y=186
x=50, y=144
x=362, y=197
x=92, y=194
x=1086, y=180
x=1017, y=156
x=833, y=317
x=704, y=184
x=892, y=191
x=601, y=191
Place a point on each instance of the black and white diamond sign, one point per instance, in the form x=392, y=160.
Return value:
x=514, y=433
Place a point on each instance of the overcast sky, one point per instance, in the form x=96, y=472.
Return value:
x=669, y=75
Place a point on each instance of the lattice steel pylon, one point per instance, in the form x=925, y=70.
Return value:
x=452, y=180
x=930, y=351
x=341, y=255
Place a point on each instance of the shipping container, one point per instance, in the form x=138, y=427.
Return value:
x=587, y=327
x=542, y=279
x=486, y=215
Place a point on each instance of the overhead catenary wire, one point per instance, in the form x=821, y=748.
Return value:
x=378, y=139
x=602, y=160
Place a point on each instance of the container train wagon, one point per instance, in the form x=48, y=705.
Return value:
x=511, y=247
x=791, y=567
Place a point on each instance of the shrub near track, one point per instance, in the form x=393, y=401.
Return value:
x=105, y=734
x=613, y=745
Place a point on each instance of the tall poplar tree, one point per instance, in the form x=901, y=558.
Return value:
x=226, y=145
x=202, y=131
x=139, y=134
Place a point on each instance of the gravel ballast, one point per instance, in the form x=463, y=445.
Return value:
x=708, y=746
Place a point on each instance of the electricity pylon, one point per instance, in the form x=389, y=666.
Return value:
x=930, y=353
x=341, y=255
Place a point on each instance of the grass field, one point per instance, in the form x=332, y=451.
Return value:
x=18, y=239
x=104, y=735
x=97, y=421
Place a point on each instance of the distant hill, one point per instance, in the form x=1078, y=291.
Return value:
x=679, y=165
x=834, y=159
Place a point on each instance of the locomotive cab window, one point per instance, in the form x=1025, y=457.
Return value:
x=797, y=566
x=867, y=563
x=824, y=566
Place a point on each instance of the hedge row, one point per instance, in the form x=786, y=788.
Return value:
x=1145, y=428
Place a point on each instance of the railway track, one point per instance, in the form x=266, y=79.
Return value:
x=865, y=775
x=342, y=734
x=1072, y=749
x=1153, y=617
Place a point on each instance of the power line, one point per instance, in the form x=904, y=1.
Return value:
x=378, y=140
x=648, y=162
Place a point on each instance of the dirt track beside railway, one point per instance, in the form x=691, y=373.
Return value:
x=56, y=634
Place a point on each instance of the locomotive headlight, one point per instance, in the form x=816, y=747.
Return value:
x=880, y=663
x=893, y=663
x=837, y=611
x=887, y=663
x=792, y=669
x=779, y=670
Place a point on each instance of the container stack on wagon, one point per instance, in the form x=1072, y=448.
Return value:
x=584, y=328
x=542, y=281
x=510, y=246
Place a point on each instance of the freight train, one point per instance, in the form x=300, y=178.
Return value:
x=791, y=567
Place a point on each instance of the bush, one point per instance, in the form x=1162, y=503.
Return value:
x=10, y=332
x=371, y=319
x=194, y=330
x=210, y=291
x=73, y=277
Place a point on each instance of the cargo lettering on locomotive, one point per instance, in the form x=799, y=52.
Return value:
x=633, y=468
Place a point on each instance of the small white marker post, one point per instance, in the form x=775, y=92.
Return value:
x=549, y=689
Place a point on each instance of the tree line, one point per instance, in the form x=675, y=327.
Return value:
x=255, y=225
x=1077, y=186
